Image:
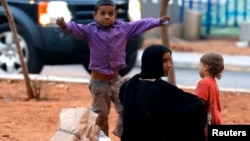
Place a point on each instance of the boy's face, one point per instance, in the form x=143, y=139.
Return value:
x=202, y=69
x=105, y=16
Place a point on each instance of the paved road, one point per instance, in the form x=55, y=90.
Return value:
x=184, y=77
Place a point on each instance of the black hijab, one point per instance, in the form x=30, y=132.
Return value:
x=152, y=62
x=151, y=68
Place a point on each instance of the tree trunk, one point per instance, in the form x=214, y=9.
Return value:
x=24, y=67
x=165, y=40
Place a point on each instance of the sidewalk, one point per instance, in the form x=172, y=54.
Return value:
x=191, y=60
x=181, y=60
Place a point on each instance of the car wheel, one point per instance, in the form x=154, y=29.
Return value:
x=9, y=57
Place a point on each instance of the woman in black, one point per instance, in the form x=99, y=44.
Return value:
x=155, y=110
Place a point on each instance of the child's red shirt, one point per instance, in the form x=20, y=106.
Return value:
x=207, y=89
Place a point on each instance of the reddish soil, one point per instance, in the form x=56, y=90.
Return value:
x=37, y=120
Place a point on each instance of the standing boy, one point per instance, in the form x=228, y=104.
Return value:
x=211, y=67
x=107, y=38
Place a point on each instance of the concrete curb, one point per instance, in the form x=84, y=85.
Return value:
x=54, y=78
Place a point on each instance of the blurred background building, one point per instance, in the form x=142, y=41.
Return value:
x=207, y=17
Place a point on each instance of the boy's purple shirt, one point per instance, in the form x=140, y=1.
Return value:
x=107, y=47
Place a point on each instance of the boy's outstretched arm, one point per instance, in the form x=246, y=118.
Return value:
x=61, y=23
x=137, y=27
x=79, y=31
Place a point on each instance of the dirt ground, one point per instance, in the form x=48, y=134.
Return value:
x=37, y=120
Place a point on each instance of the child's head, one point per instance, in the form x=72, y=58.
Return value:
x=156, y=62
x=104, y=3
x=105, y=13
x=211, y=64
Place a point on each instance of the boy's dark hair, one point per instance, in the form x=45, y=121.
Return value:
x=103, y=3
x=215, y=63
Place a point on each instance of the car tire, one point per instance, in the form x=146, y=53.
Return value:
x=31, y=57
